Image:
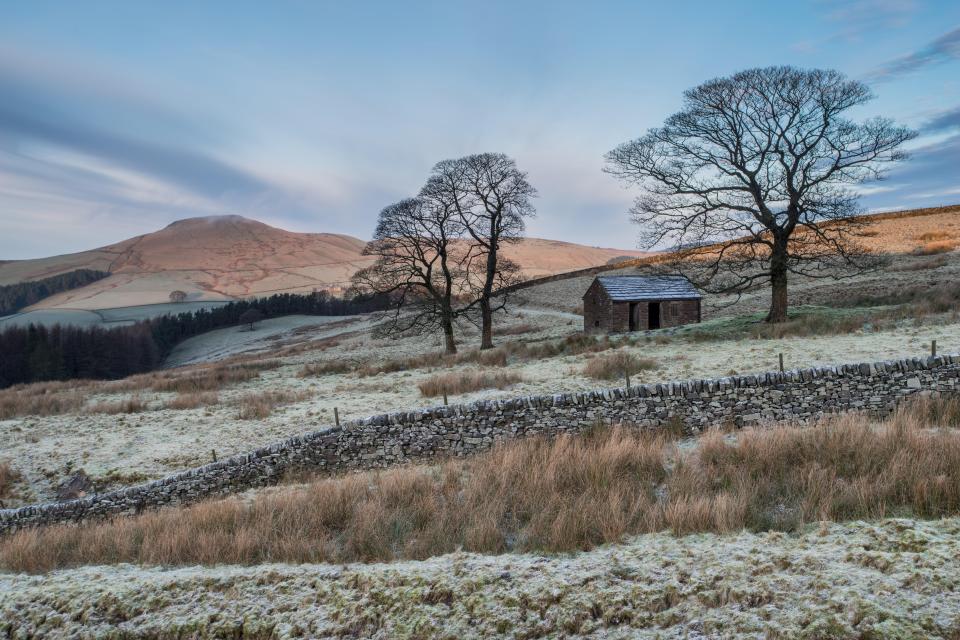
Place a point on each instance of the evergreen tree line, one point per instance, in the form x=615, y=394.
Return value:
x=14, y=297
x=37, y=353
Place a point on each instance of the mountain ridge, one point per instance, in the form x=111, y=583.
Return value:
x=231, y=256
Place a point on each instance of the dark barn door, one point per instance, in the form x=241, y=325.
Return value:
x=653, y=316
x=633, y=317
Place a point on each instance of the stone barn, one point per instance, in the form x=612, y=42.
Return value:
x=615, y=304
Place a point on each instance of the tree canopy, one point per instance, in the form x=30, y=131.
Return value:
x=762, y=167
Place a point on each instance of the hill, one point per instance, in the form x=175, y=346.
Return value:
x=211, y=258
x=915, y=232
x=223, y=257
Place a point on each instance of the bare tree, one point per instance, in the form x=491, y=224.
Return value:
x=250, y=317
x=177, y=296
x=491, y=197
x=416, y=264
x=760, y=166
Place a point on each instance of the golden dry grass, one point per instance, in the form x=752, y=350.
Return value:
x=466, y=381
x=8, y=478
x=133, y=404
x=509, y=352
x=934, y=235
x=561, y=494
x=488, y=358
x=58, y=397
x=935, y=247
x=261, y=404
x=192, y=400
x=617, y=365
x=40, y=399
x=210, y=378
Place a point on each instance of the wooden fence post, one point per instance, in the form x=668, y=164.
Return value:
x=336, y=416
x=213, y=452
x=445, y=401
x=781, y=362
x=933, y=347
x=627, y=374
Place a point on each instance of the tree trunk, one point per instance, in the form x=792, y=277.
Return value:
x=450, y=346
x=778, y=284
x=486, y=328
x=486, y=315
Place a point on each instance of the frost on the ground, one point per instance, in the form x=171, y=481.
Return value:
x=892, y=579
x=155, y=443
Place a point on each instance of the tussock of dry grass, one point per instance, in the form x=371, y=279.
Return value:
x=499, y=357
x=935, y=247
x=8, y=478
x=133, y=404
x=487, y=358
x=59, y=397
x=561, y=494
x=261, y=404
x=617, y=365
x=192, y=400
x=43, y=399
x=454, y=383
x=572, y=345
x=935, y=235
x=212, y=378
x=810, y=325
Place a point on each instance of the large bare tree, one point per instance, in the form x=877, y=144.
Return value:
x=417, y=265
x=761, y=167
x=492, y=197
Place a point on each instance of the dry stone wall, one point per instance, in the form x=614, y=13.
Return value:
x=395, y=438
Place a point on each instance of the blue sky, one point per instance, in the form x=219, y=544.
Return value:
x=118, y=118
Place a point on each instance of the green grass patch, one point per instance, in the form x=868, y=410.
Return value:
x=807, y=320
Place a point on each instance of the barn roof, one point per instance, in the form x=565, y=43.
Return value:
x=633, y=288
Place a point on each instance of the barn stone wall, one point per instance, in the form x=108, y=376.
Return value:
x=390, y=439
x=600, y=313
x=603, y=315
x=673, y=313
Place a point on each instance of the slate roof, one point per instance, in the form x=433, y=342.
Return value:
x=633, y=288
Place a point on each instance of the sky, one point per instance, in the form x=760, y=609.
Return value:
x=117, y=118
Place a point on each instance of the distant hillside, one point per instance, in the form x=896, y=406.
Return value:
x=212, y=258
x=224, y=257
x=893, y=232
x=14, y=297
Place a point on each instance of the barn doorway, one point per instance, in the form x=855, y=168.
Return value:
x=653, y=315
x=632, y=323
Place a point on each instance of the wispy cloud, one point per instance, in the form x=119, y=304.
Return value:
x=89, y=152
x=930, y=173
x=943, y=49
x=858, y=16
x=852, y=21
x=944, y=121
x=39, y=110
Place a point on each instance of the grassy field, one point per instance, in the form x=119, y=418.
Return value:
x=846, y=529
x=154, y=424
x=895, y=578
x=620, y=534
x=588, y=490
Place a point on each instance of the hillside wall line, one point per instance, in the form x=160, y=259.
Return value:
x=458, y=430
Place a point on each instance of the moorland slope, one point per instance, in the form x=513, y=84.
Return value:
x=224, y=257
